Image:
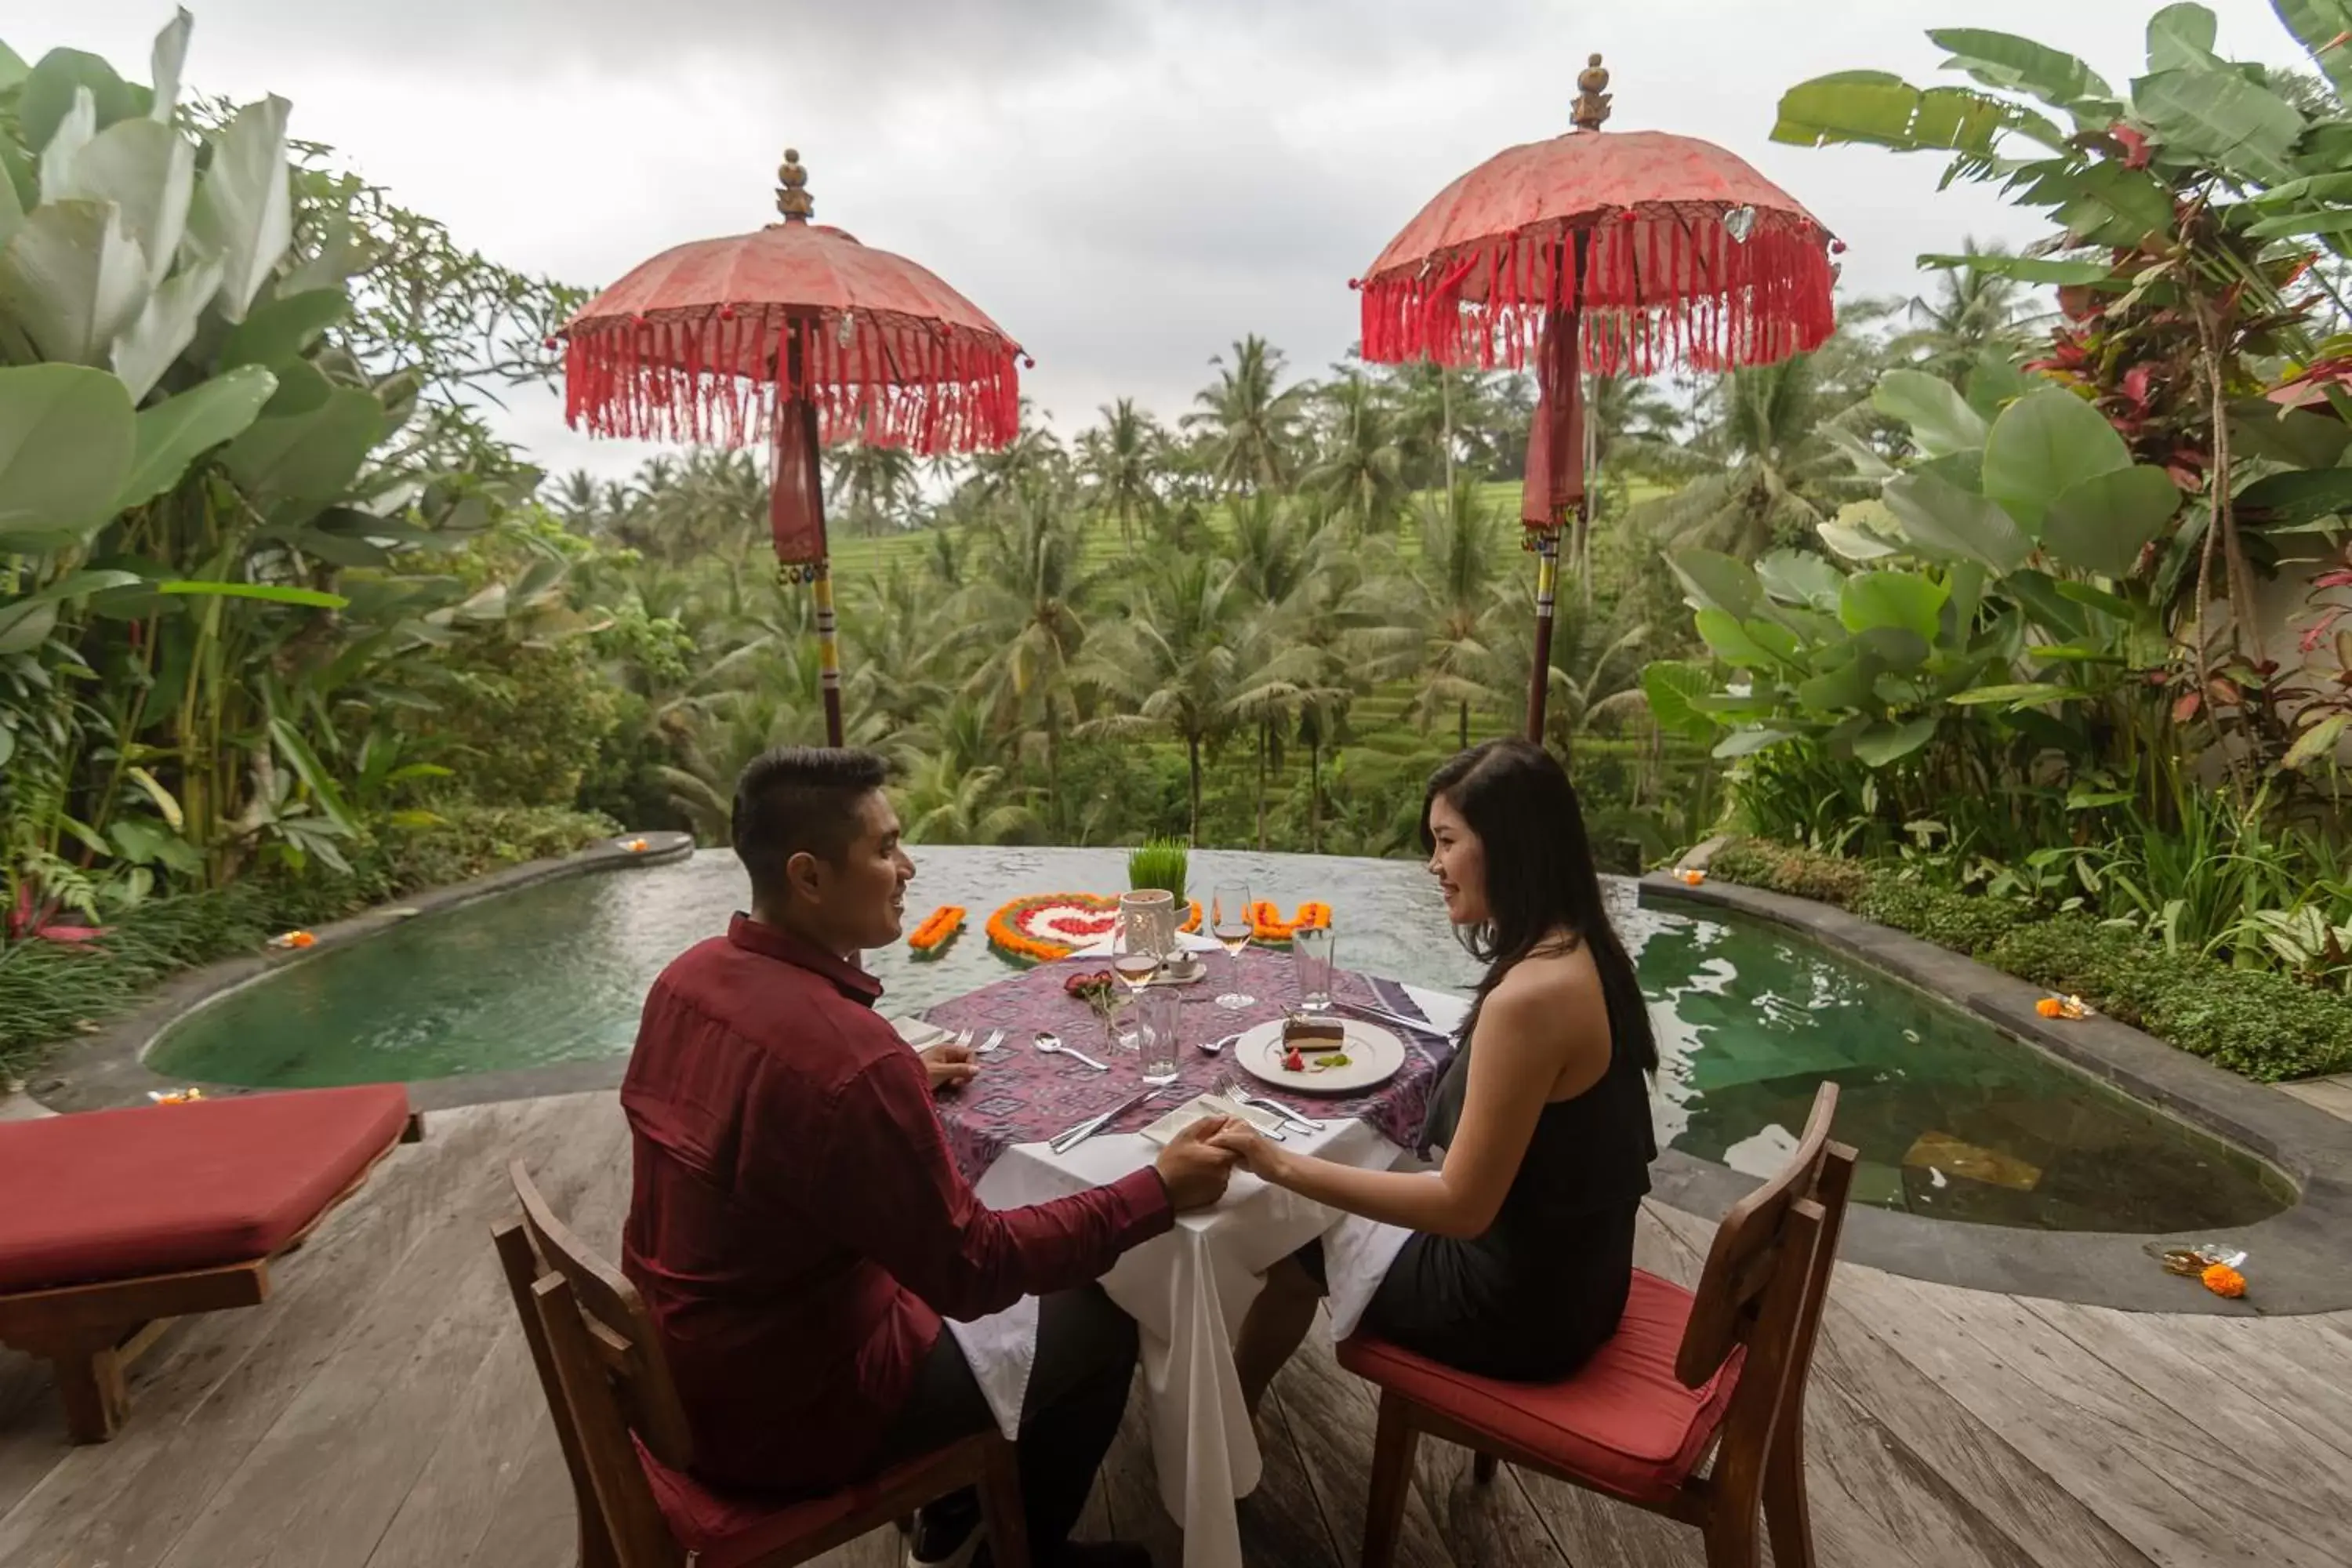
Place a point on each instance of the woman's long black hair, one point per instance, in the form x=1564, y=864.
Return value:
x=1539, y=878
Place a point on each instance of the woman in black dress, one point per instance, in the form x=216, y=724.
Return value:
x=1523, y=1245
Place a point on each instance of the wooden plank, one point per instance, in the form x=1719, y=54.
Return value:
x=320, y=1488
x=1330, y=1411
x=534, y=1523
x=1282, y=1521
x=2162, y=1483
x=2298, y=1368
x=502, y=1416
x=221, y=1380
x=32, y=1427
x=1131, y=1488
x=1492, y=1524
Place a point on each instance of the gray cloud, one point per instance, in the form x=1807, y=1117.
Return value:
x=1127, y=187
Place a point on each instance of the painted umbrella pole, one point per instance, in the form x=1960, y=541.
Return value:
x=1604, y=254
x=794, y=335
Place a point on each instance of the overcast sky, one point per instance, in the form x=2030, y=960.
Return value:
x=1125, y=185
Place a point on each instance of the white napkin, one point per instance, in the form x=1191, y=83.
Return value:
x=919, y=1033
x=1000, y=1350
x=1357, y=1253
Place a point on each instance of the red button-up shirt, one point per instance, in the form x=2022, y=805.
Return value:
x=796, y=1224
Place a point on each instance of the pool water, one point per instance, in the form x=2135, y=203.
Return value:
x=1952, y=1119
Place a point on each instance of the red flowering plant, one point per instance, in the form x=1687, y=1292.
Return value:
x=1099, y=989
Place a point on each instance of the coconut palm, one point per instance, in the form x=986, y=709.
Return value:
x=1248, y=422
x=1764, y=466
x=947, y=801
x=1442, y=612
x=1168, y=663
x=1972, y=314
x=1025, y=608
x=871, y=486
x=1120, y=460
x=1362, y=463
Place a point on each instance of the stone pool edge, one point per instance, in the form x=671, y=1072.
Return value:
x=2299, y=1261
x=108, y=1067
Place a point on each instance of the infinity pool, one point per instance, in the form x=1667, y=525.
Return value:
x=1953, y=1119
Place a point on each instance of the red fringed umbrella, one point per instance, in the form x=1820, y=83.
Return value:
x=795, y=335
x=1628, y=251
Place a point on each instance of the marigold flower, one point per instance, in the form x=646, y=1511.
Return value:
x=2048, y=1006
x=2224, y=1280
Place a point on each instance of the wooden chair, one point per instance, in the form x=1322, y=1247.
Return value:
x=626, y=1440
x=119, y=1221
x=1720, y=1371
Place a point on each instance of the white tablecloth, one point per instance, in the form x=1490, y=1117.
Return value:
x=1188, y=1291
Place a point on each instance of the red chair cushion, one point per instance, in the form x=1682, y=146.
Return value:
x=728, y=1529
x=156, y=1189
x=1622, y=1422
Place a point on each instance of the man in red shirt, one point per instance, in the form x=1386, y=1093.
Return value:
x=796, y=1224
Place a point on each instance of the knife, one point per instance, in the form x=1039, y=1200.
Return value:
x=1066, y=1141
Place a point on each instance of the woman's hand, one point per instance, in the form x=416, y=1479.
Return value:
x=1258, y=1155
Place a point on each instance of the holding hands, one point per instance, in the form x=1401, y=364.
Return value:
x=1195, y=1167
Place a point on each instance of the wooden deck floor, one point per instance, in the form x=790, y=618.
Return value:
x=379, y=1412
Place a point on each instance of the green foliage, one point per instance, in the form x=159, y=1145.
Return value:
x=1159, y=863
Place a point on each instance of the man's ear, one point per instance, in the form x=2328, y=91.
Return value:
x=804, y=874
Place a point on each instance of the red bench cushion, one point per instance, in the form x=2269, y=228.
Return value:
x=1623, y=1421
x=156, y=1189
x=726, y=1530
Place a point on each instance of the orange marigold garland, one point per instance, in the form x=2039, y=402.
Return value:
x=930, y=939
x=1268, y=929
x=1042, y=927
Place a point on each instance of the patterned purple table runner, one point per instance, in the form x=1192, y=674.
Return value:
x=1022, y=1096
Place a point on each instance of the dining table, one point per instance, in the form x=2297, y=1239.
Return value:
x=1188, y=1289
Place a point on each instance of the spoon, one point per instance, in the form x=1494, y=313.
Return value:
x=1051, y=1045
x=1213, y=1047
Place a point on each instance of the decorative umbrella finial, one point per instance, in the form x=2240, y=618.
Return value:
x=792, y=199
x=1593, y=99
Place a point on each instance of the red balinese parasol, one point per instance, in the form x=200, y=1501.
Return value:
x=796, y=336
x=1629, y=251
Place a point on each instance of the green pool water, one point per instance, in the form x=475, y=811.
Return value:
x=1953, y=1119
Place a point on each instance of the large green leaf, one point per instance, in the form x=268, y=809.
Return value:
x=1941, y=421
x=244, y=210
x=2017, y=694
x=12, y=210
x=1800, y=577
x=166, y=324
x=71, y=279
x=164, y=60
x=1747, y=742
x=308, y=456
x=176, y=431
x=2295, y=437
x=1883, y=744
x=1725, y=582
x=281, y=330
x=265, y=593
x=2318, y=741
x=1842, y=687
x=2179, y=38
x=12, y=68
x=1861, y=531
x=1894, y=648
x=64, y=445
x=2102, y=523
x=2295, y=497
x=47, y=96
x=26, y=620
x=313, y=773
x=1903, y=600
x=1880, y=110
x=2012, y=64
x=2220, y=115
x=1950, y=524
x=2319, y=25
x=73, y=133
x=150, y=171
x=2041, y=447
x=1671, y=686
x=1730, y=640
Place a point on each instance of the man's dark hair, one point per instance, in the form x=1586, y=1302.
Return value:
x=795, y=798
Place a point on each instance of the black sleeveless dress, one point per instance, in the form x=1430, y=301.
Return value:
x=1544, y=1286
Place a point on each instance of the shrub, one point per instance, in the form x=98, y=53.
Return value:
x=522, y=724
x=1964, y=923
x=1799, y=873
x=470, y=840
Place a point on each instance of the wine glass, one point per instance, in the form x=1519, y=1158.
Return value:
x=1229, y=922
x=1136, y=951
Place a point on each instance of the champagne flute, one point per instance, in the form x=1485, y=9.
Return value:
x=1229, y=922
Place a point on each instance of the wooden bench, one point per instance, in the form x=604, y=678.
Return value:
x=113, y=1223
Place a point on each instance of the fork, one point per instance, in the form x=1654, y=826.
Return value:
x=1051, y=1045
x=995, y=1038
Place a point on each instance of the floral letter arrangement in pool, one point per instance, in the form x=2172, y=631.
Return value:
x=1042, y=927
x=939, y=926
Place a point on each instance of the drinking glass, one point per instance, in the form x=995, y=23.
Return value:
x=1310, y=960
x=1229, y=922
x=1145, y=933
x=1160, y=1027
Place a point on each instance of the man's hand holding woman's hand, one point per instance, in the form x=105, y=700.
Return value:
x=1251, y=1150
x=1193, y=1168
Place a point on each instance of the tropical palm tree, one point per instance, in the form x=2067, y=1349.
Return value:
x=1025, y=607
x=947, y=801
x=1120, y=460
x=1168, y=664
x=1361, y=462
x=1764, y=466
x=1248, y=422
x=872, y=486
x=1973, y=313
x=1441, y=620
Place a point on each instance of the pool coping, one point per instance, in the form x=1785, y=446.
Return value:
x=2298, y=1261
x=109, y=1067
